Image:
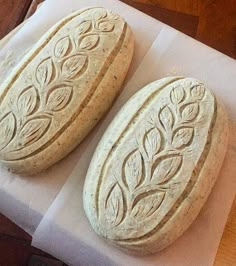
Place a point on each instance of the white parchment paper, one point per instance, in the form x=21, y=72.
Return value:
x=65, y=231
x=63, y=228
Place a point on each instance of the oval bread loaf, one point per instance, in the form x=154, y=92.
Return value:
x=156, y=165
x=61, y=88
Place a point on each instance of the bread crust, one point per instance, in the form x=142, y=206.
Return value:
x=153, y=210
x=65, y=84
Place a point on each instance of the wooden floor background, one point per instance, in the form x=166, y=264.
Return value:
x=212, y=22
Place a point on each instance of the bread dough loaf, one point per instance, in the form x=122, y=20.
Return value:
x=61, y=88
x=156, y=165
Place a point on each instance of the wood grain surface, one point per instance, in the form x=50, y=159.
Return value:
x=217, y=25
x=15, y=246
x=226, y=254
x=12, y=12
x=212, y=22
x=191, y=7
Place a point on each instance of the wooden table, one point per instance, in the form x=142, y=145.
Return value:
x=212, y=22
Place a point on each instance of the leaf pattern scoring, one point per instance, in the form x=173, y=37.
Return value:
x=89, y=42
x=73, y=66
x=148, y=204
x=27, y=101
x=7, y=129
x=113, y=16
x=166, y=118
x=100, y=14
x=177, y=95
x=165, y=168
x=133, y=170
x=59, y=97
x=198, y=92
x=190, y=112
x=148, y=172
x=62, y=47
x=84, y=27
x=152, y=142
x=105, y=26
x=182, y=137
x=51, y=88
x=114, y=209
x=33, y=130
x=45, y=72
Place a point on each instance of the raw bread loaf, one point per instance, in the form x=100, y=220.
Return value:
x=156, y=165
x=61, y=88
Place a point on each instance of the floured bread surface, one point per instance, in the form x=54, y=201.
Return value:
x=61, y=88
x=156, y=165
